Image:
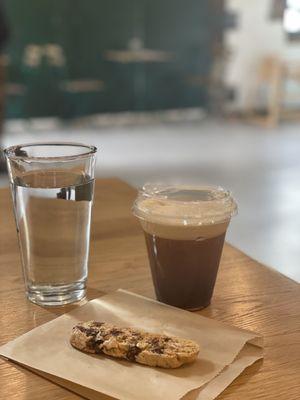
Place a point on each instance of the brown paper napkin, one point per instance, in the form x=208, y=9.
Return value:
x=225, y=352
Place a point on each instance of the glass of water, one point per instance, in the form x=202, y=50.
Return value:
x=52, y=189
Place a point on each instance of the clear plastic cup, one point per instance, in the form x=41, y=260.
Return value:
x=185, y=228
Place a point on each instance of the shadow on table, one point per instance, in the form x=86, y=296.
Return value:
x=91, y=294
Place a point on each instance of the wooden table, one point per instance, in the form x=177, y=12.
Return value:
x=247, y=295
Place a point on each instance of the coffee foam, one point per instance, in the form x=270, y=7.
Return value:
x=181, y=232
x=169, y=220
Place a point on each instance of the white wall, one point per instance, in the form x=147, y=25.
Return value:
x=256, y=36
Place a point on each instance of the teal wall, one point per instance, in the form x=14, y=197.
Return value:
x=86, y=29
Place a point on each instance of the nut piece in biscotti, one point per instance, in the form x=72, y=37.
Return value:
x=133, y=344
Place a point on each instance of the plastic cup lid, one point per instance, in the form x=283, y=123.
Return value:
x=184, y=204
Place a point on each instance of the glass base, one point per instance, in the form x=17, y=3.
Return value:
x=183, y=307
x=57, y=295
x=198, y=308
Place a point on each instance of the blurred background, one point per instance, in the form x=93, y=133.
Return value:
x=194, y=91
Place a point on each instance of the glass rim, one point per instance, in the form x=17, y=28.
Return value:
x=10, y=151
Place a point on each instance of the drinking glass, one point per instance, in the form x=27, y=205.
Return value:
x=52, y=190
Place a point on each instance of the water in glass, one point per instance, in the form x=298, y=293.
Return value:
x=53, y=214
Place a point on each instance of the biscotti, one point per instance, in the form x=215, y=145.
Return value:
x=133, y=344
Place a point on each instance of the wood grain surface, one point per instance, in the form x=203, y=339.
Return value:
x=247, y=295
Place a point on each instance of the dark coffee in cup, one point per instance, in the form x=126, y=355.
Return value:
x=185, y=229
x=184, y=271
